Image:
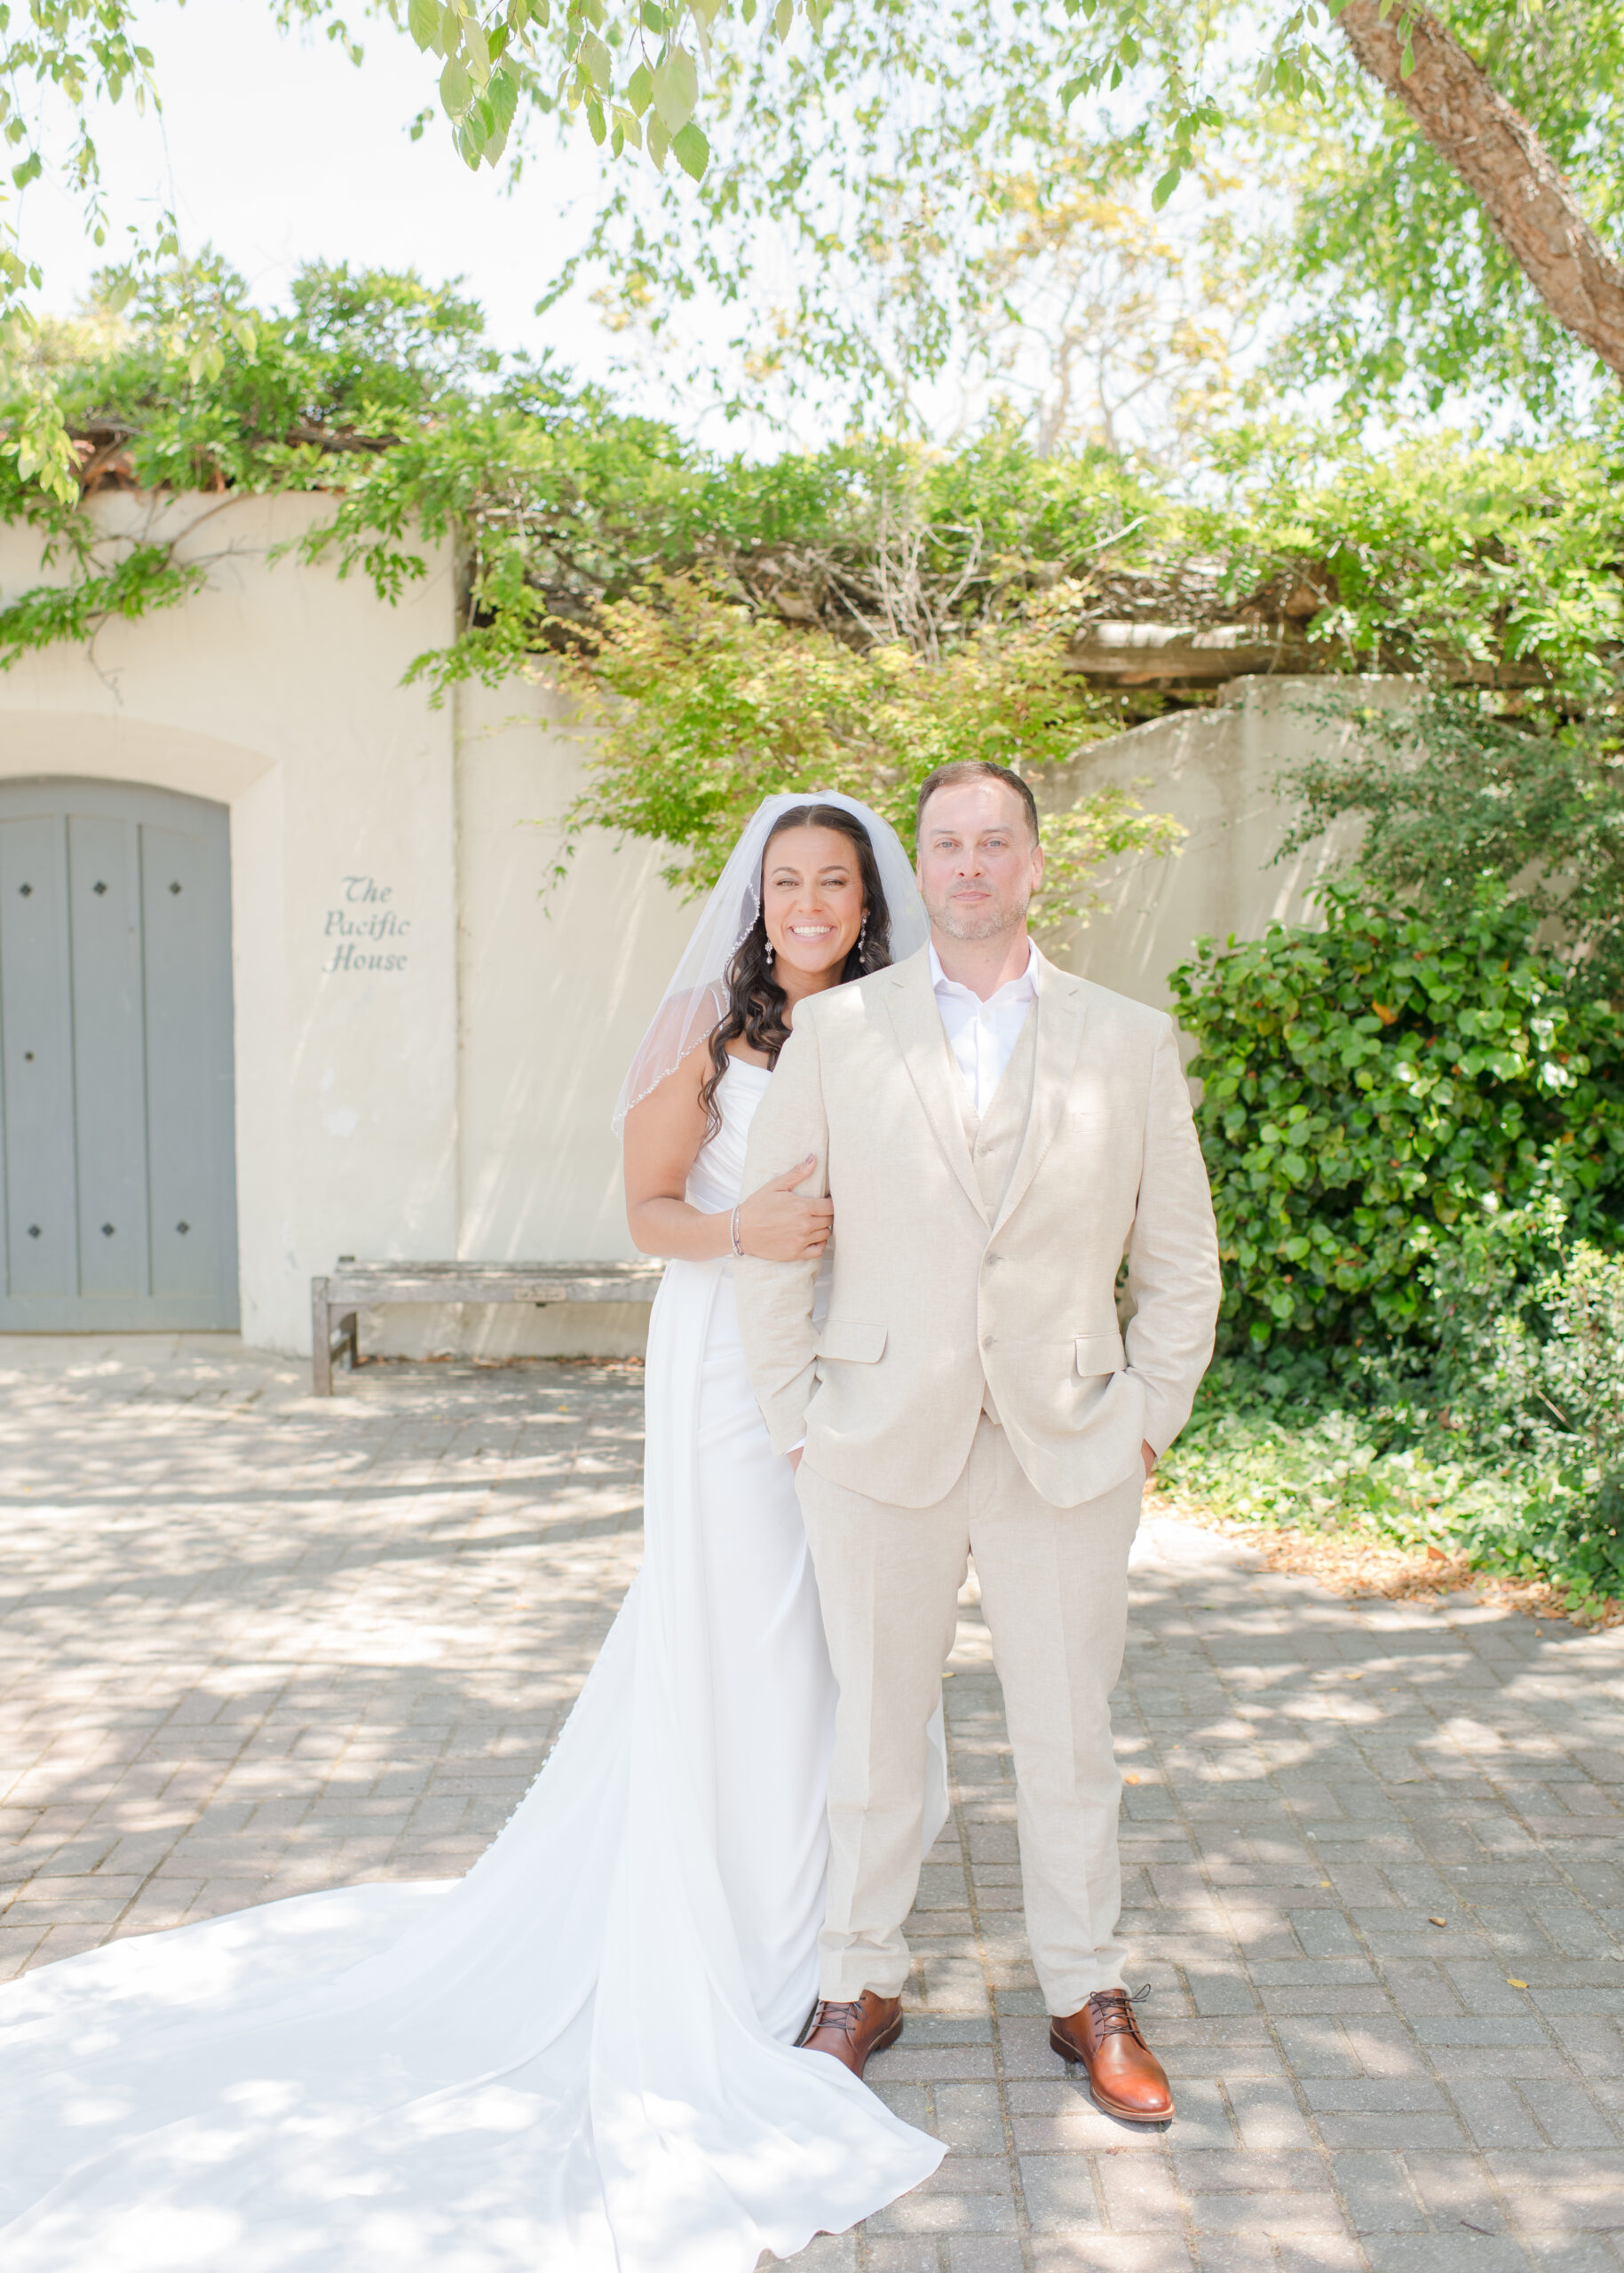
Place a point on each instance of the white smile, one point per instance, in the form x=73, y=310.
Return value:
x=812, y=930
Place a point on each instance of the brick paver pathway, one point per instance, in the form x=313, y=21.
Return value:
x=253, y=1642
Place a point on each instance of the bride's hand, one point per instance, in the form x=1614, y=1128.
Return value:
x=780, y=1226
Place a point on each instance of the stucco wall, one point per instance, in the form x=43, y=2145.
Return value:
x=430, y=1035
x=277, y=692
x=428, y=1040
x=1215, y=771
x=556, y=981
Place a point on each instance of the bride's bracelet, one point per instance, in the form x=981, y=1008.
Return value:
x=732, y=1227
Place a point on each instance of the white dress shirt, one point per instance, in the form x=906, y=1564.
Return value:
x=982, y=1036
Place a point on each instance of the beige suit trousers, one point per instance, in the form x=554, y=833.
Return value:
x=1054, y=1592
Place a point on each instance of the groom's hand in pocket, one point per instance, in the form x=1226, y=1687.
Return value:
x=778, y=1225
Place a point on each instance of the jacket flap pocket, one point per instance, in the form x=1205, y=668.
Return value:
x=1099, y=1353
x=851, y=1340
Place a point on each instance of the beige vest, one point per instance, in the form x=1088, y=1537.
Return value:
x=995, y=1141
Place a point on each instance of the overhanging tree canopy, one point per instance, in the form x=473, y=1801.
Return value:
x=880, y=133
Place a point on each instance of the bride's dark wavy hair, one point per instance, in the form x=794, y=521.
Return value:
x=756, y=1002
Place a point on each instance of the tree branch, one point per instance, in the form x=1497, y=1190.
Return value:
x=1531, y=208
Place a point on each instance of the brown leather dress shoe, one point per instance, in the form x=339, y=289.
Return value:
x=850, y=2032
x=1124, y=2074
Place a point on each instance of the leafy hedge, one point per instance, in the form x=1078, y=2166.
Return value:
x=383, y=395
x=1371, y=1086
x=1507, y=1448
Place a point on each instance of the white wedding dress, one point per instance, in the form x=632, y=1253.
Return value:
x=578, y=2058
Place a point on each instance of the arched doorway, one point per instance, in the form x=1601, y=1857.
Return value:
x=116, y=1119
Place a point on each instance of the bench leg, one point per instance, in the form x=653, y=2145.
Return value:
x=325, y=1344
x=321, y=1339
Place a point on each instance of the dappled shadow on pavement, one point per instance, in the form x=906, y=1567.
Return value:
x=258, y=1643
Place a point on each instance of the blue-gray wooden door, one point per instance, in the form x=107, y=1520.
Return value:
x=117, y=1120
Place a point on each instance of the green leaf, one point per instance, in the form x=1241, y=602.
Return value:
x=1165, y=188
x=676, y=89
x=690, y=150
x=423, y=22
x=29, y=170
x=783, y=17
x=659, y=140
x=640, y=89
x=594, y=59
x=503, y=96
x=595, y=125
x=455, y=88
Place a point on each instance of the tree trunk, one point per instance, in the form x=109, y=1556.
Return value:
x=1532, y=210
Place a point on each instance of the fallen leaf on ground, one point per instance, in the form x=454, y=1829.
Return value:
x=1512, y=1984
x=1437, y=1922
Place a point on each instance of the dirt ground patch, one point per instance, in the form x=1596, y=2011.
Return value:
x=1351, y=1564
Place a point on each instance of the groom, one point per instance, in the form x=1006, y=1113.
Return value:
x=997, y=1137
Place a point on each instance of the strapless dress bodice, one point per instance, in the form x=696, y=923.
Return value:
x=717, y=1174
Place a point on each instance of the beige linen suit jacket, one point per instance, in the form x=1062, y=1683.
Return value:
x=936, y=1295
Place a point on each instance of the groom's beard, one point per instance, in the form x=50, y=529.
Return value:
x=981, y=923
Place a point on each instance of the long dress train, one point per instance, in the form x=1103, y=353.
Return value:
x=576, y=2059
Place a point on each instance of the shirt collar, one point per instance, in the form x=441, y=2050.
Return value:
x=1022, y=988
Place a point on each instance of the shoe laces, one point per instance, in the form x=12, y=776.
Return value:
x=831, y=2014
x=1113, y=2014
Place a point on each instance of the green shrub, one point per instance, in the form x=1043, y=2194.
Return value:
x=1510, y=1449
x=1448, y=795
x=1264, y=1447
x=1373, y=1089
x=1531, y=1370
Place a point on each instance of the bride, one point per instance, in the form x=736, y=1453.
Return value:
x=580, y=2057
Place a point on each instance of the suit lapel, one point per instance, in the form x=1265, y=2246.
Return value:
x=910, y=1002
x=1062, y=1013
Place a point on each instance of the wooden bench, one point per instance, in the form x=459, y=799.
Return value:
x=336, y=1301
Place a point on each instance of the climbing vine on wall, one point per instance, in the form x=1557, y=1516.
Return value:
x=928, y=597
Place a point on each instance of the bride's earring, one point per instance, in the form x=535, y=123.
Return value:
x=768, y=957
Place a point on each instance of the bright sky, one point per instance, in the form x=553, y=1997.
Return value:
x=276, y=150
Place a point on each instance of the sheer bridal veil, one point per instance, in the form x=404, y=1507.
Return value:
x=697, y=994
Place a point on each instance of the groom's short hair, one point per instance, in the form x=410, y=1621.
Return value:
x=974, y=769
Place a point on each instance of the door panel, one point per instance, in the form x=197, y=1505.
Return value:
x=116, y=1051
x=36, y=1059
x=109, y=1085
x=181, y=928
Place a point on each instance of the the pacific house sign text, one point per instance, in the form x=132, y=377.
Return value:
x=365, y=932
